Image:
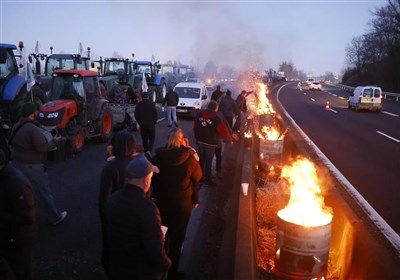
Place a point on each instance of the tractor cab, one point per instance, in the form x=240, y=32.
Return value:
x=8, y=63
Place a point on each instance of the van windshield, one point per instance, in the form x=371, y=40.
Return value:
x=184, y=92
x=377, y=93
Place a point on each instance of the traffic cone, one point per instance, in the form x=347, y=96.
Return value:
x=327, y=106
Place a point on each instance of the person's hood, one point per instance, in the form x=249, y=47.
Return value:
x=123, y=144
x=175, y=156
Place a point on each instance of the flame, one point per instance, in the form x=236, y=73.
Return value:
x=263, y=105
x=247, y=135
x=306, y=204
x=269, y=133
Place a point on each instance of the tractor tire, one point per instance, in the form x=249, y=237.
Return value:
x=161, y=91
x=78, y=140
x=105, y=124
x=152, y=94
x=38, y=97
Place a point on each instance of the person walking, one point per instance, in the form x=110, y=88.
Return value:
x=146, y=117
x=217, y=94
x=171, y=100
x=17, y=221
x=134, y=237
x=176, y=192
x=208, y=129
x=113, y=178
x=30, y=144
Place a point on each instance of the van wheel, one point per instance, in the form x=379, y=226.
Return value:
x=348, y=105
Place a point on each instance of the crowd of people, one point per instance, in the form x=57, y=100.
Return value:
x=139, y=193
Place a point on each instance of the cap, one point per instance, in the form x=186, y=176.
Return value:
x=140, y=167
x=27, y=109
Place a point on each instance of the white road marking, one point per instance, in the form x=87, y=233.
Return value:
x=341, y=97
x=390, y=137
x=312, y=99
x=334, y=94
x=305, y=93
x=390, y=114
x=333, y=110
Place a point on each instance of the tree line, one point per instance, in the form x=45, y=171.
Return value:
x=374, y=58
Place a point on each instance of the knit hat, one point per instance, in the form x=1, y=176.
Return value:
x=140, y=167
x=27, y=109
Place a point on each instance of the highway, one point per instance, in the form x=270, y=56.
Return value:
x=364, y=146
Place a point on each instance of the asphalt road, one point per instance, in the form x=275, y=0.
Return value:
x=364, y=146
x=71, y=250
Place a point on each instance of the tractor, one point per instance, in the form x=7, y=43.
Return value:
x=76, y=109
x=155, y=81
x=13, y=87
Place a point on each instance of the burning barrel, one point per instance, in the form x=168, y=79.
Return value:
x=304, y=226
x=301, y=252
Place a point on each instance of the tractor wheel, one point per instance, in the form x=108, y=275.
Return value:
x=152, y=94
x=104, y=125
x=161, y=91
x=78, y=140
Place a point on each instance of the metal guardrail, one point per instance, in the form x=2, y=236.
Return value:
x=392, y=95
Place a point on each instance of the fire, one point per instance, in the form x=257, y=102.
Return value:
x=269, y=133
x=306, y=204
x=247, y=134
x=263, y=105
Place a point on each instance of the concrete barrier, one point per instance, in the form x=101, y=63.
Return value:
x=363, y=246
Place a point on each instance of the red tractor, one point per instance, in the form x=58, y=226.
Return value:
x=76, y=108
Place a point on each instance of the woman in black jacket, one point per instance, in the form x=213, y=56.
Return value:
x=176, y=192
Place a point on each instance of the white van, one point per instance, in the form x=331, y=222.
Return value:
x=366, y=97
x=192, y=97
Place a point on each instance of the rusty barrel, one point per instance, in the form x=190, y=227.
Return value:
x=301, y=252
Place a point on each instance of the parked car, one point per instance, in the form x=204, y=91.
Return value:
x=315, y=86
x=366, y=97
x=192, y=97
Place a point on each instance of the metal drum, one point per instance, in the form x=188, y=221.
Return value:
x=301, y=252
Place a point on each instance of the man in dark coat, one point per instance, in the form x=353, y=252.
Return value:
x=209, y=128
x=30, y=144
x=113, y=177
x=241, y=110
x=146, y=117
x=217, y=94
x=134, y=236
x=228, y=107
x=171, y=100
x=176, y=192
x=17, y=221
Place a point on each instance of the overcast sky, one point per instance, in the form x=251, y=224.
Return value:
x=243, y=34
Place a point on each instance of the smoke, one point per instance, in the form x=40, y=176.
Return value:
x=219, y=35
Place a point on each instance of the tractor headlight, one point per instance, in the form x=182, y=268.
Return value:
x=41, y=115
x=52, y=115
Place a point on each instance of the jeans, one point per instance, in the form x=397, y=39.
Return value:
x=171, y=115
x=206, y=154
x=44, y=200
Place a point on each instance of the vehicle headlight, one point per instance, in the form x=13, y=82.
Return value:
x=52, y=115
